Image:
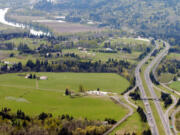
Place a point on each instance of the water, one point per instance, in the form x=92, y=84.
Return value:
x=18, y=25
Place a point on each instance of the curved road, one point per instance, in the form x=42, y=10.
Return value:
x=151, y=90
x=116, y=99
x=150, y=117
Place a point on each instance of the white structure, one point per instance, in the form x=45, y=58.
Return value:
x=43, y=78
x=98, y=93
x=109, y=49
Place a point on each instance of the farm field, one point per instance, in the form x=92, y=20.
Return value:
x=175, y=85
x=33, y=102
x=16, y=92
x=96, y=56
x=63, y=28
x=61, y=81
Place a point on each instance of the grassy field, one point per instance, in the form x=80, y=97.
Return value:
x=32, y=43
x=33, y=102
x=178, y=121
x=174, y=56
x=175, y=85
x=61, y=81
x=132, y=124
x=166, y=77
x=16, y=92
x=96, y=56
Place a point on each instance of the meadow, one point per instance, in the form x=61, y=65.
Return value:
x=60, y=81
x=16, y=92
x=175, y=85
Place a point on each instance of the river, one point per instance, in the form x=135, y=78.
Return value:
x=18, y=25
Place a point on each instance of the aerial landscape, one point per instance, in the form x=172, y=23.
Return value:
x=89, y=67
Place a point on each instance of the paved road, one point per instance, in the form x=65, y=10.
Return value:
x=151, y=90
x=169, y=108
x=150, y=117
x=165, y=86
x=126, y=97
x=116, y=99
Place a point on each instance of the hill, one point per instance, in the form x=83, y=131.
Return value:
x=157, y=18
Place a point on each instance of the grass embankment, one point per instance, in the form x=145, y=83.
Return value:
x=16, y=92
x=178, y=121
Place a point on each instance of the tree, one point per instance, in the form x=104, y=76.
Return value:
x=81, y=88
x=67, y=92
x=30, y=64
x=11, y=55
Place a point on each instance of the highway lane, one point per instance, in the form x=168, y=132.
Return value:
x=150, y=117
x=151, y=90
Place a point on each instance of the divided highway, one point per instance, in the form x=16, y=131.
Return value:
x=151, y=89
x=150, y=117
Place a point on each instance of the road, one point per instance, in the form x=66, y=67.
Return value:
x=150, y=117
x=126, y=97
x=169, y=108
x=151, y=89
x=116, y=99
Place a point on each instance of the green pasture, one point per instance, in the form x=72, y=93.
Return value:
x=96, y=56
x=60, y=81
x=33, y=97
x=175, y=85
x=33, y=102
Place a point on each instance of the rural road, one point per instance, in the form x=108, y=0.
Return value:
x=116, y=99
x=176, y=92
x=150, y=117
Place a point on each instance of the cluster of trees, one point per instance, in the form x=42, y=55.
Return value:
x=70, y=66
x=32, y=76
x=153, y=79
x=142, y=114
x=45, y=123
x=156, y=51
x=158, y=24
x=166, y=98
x=178, y=103
x=142, y=55
x=169, y=66
x=136, y=94
x=7, y=46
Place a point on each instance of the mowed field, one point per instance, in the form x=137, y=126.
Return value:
x=16, y=92
x=175, y=85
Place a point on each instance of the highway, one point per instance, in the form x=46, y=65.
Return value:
x=151, y=89
x=150, y=117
